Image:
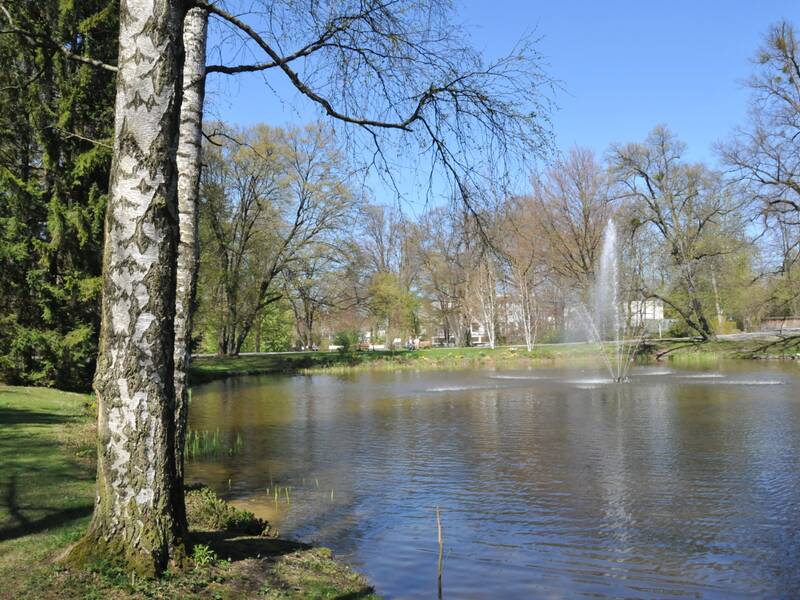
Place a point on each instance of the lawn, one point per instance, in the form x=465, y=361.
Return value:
x=768, y=345
x=206, y=368
x=47, y=479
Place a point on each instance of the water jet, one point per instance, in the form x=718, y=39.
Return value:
x=607, y=322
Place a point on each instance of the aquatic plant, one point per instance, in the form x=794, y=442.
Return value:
x=205, y=444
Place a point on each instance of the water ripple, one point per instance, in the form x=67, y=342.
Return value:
x=685, y=486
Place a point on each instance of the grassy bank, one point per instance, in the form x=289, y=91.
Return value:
x=208, y=368
x=47, y=447
x=759, y=346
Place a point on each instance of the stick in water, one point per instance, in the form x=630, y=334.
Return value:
x=441, y=550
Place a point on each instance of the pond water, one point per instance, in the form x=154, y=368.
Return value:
x=551, y=482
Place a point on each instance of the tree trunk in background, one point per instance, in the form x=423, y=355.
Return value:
x=702, y=325
x=259, y=324
x=134, y=518
x=717, y=305
x=195, y=26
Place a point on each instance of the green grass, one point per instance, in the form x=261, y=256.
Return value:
x=47, y=449
x=208, y=368
x=209, y=444
x=47, y=476
x=693, y=351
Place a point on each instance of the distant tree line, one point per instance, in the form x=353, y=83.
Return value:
x=292, y=253
x=692, y=237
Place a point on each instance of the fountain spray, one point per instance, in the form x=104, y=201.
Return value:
x=606, y=322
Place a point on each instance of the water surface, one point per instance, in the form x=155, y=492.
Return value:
x=551, y=482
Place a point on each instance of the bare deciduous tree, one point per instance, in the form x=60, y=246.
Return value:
x=441, y=244
x=382, y=66
x=399, y=75
x=686, y=204
x=521, y=247
x=573, y=202
x=767, y=153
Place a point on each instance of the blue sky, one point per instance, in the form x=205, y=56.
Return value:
x=624, y=66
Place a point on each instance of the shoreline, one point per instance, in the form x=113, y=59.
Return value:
x=49, y=442
x=737, y=346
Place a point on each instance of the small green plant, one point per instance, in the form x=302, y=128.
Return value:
x=208, y=444
x=203, y=555
x=111, y=572
x=236, y=447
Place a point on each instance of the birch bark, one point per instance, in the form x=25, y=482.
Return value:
x=526, y=305
x=195, y=26
x=134, y=520
x=487, y=296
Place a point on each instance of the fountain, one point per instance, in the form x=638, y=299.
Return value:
x=607, y=322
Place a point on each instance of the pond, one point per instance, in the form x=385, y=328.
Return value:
x=551, y=482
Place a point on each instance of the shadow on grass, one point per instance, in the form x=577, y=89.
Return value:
x=24, y=525
x=19, y=416
x=32, y=460
x=53, y=520
x=355, y=595
x=258, y=558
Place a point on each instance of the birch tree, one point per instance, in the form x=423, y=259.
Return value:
x=521, y=247
x=188, y=160
x=135, y=518
x=525, y=307
x=484, y=287
x=394, y=68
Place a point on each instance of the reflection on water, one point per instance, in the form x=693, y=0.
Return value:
x=551, y=482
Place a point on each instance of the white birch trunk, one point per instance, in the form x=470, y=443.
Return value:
x=195, y=26
x=717, y=305
x=134, y=520
x=487, y=294
x=526, y=303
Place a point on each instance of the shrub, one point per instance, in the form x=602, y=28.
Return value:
x=679, y=328
x=346, y=340
x=207, y=511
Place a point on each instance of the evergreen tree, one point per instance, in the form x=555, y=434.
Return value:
x=56, y=121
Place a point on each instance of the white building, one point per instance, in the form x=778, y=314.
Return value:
x=645, y=312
